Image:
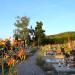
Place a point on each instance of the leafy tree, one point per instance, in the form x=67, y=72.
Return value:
x=22, y=30
x=39, y=33
x=16, y=35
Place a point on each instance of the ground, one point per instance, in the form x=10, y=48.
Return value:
x=29, y=67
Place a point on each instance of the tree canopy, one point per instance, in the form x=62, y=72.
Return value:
x=39, y=32
x=22, y=31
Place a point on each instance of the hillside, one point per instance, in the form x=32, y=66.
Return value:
x=65, y=35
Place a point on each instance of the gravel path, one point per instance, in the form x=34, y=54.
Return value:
x=29, y=67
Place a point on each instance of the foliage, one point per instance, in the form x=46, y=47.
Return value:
x=8, y=44
x=37, y=36
x=39, y=33
x=22, y=30
x=62, y=37
x=16, y=36
x=46, y=41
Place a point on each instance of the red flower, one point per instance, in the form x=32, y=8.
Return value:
x=73, y=65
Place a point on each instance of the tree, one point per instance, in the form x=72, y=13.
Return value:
x=16, y=34
x=22, y=30
x=39, y=33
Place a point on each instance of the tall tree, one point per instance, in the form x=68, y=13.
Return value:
x=39, y=33
x=22, y=31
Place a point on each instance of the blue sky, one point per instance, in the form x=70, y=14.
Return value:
x=57, y=15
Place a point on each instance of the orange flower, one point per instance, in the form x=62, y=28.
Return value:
x=20, y=53
x=11, y=61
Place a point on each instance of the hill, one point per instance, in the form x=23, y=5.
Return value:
x=67, y=35
x=62, y=37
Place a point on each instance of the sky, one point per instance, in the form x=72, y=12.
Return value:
x=57, y=15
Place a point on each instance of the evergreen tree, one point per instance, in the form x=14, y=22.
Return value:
x=39, y=33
